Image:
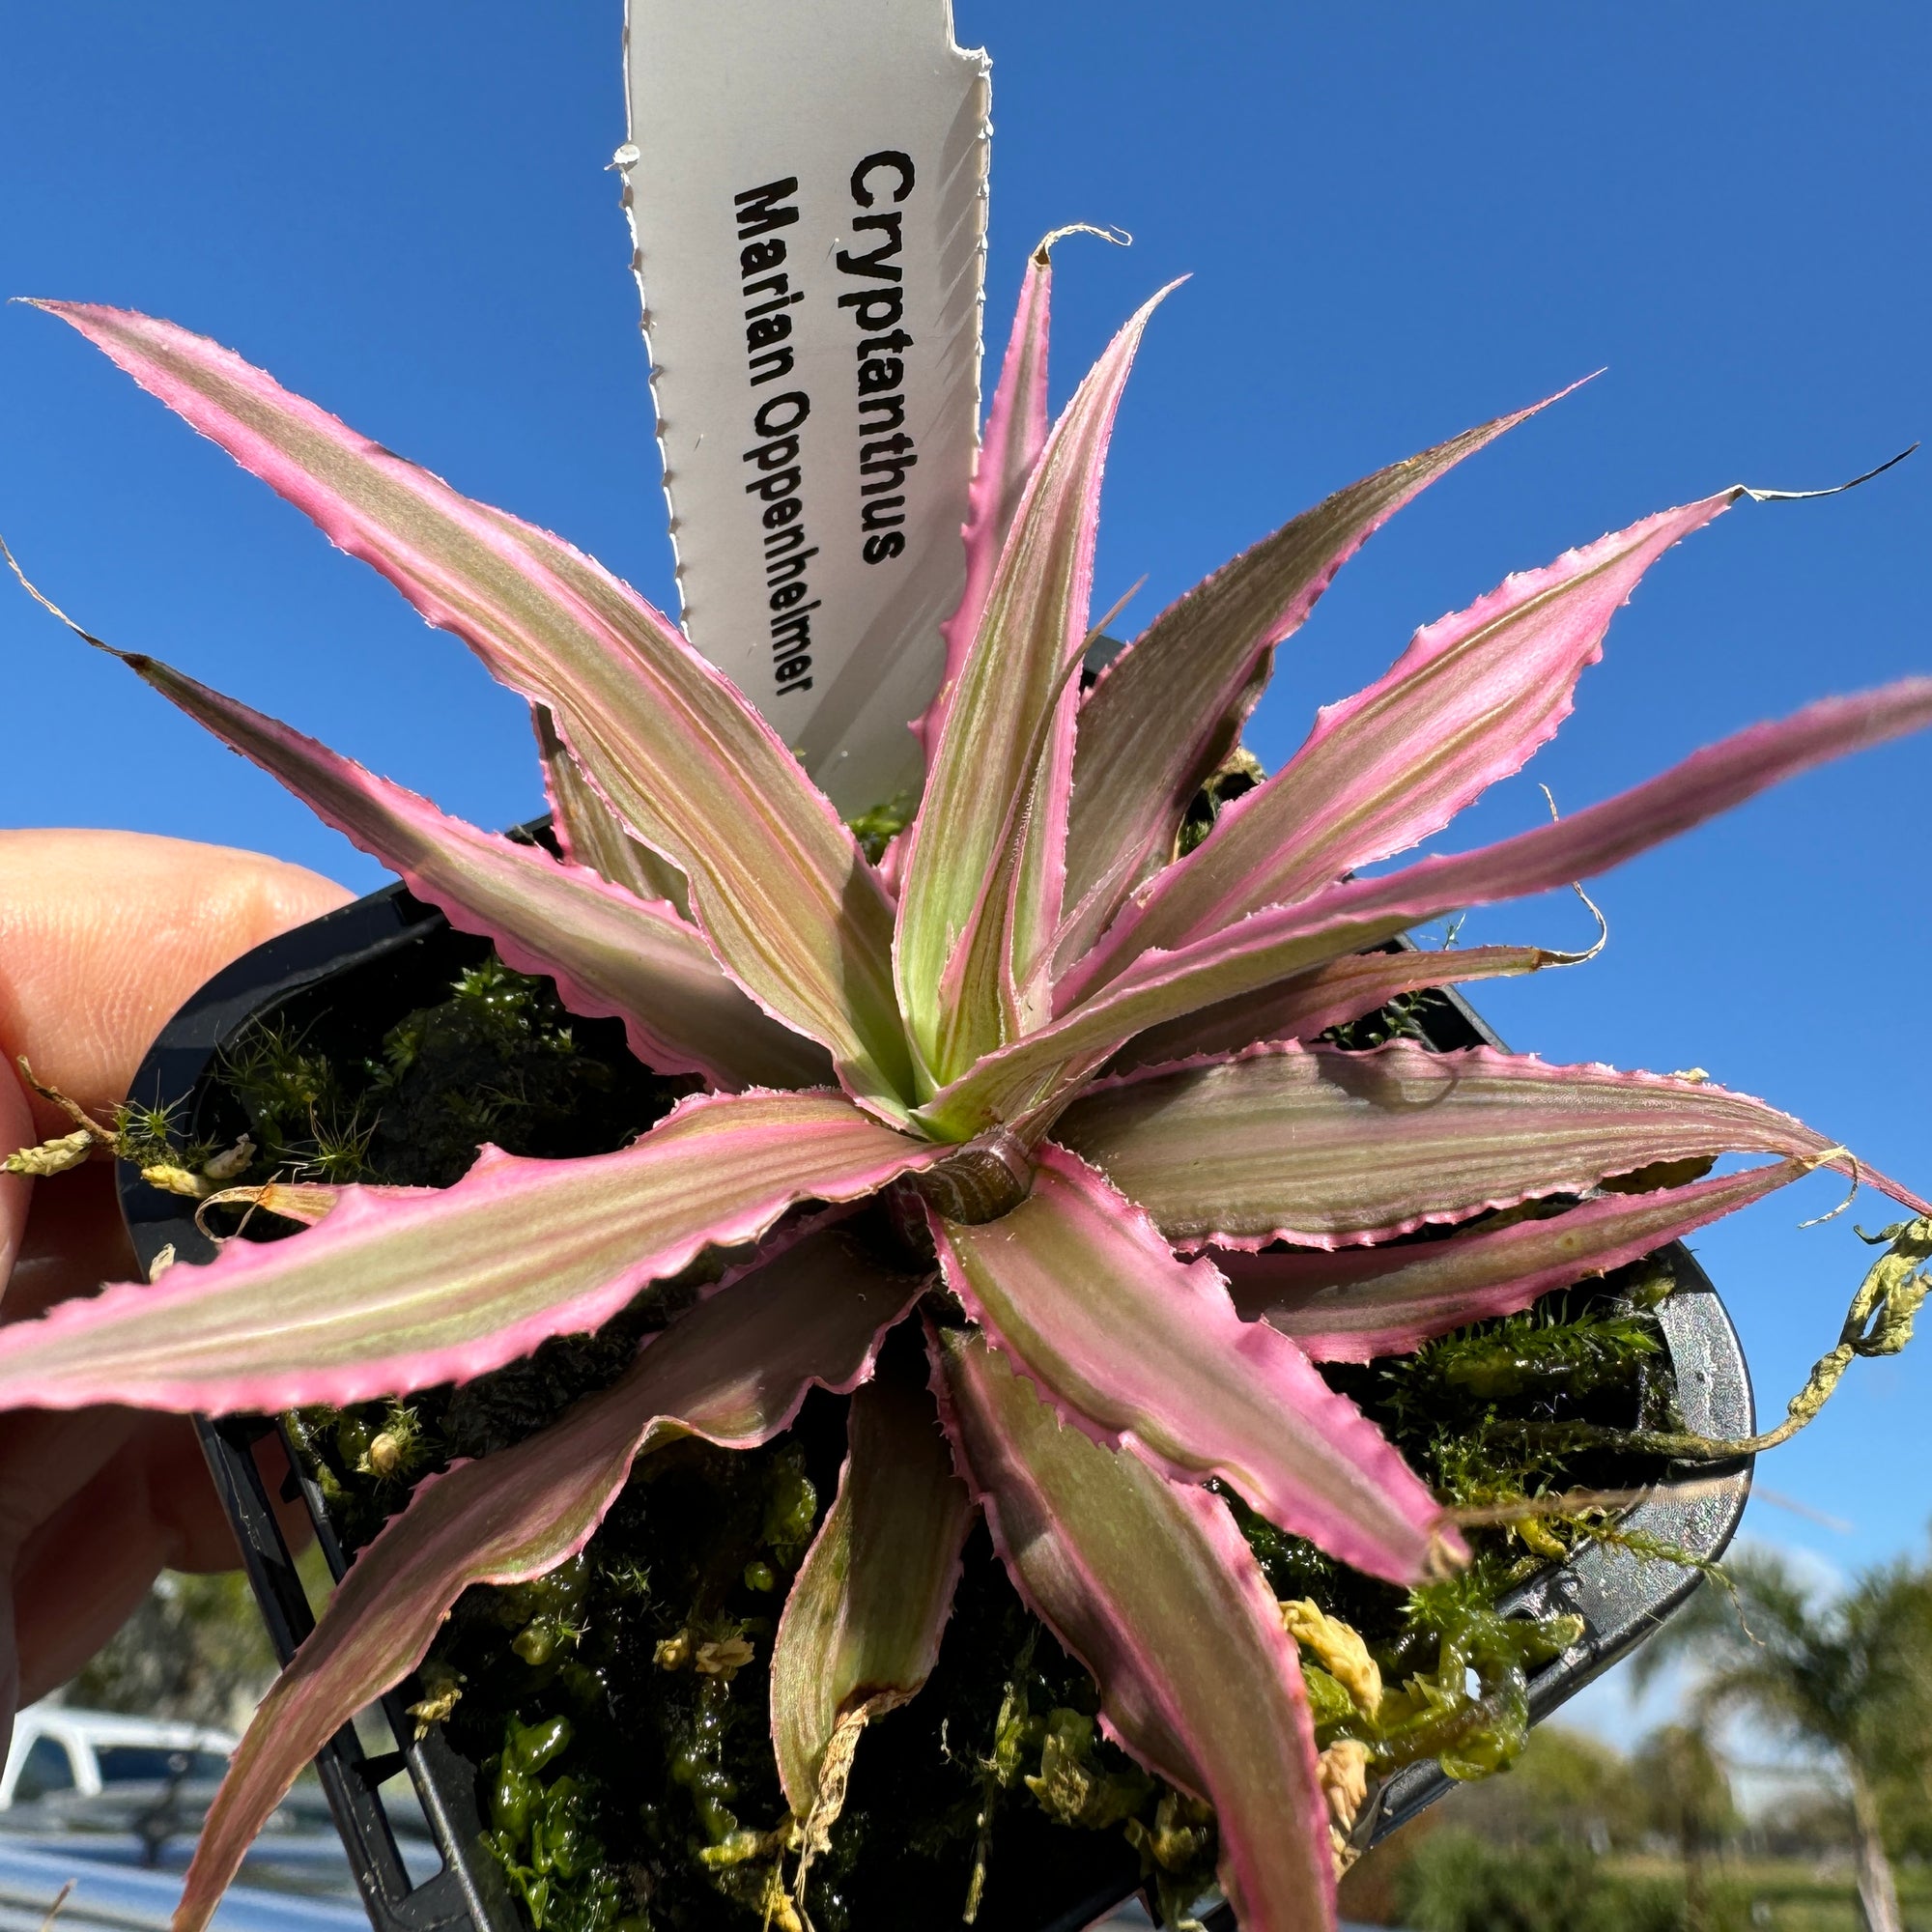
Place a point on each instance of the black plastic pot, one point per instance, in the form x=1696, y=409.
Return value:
x=390, y=953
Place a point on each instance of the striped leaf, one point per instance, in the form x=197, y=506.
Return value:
x=1016, y=430
x=1355, y=1304
x=777, y=883
x=861, y=1628
x=1167, y=712
x=973, y=897
x=1314, y=1145
x=590, y=834
x=1332, y=995
x=1467, y=703
x=733, y=1372
x=611, y=955
x=1143, y=1351
x=1027, y=1081
x=395, y=1290
x=1149, y=1584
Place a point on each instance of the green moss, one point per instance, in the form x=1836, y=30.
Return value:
x=876, y=829
x=150, y=1137
x=1407, y=1016
x=618, y=1709
x=1239, y=774
x=498, y=1059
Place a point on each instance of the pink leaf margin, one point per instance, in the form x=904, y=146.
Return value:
x=1025, y=1084
x=60, y=1360
x=1093, y=1583
x=560, y=917
x=1332, y=995
x=1135, y=1360
x=1168, y=709
x=559, y=629
x=519, y=1514
x=1360, y=1304
x=985, y=867
x=1648, y=1117
x=1470, y=701
x=1017, y=430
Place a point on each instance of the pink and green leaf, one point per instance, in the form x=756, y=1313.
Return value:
x=1025, y=1084
x=995, y=797
x=1332, y=995
x=1017, y=430
x=861, y=1623
x=777, y=882
x=1355, y=1304
x=1167, y=712
x=611, y=955
x=395, y=1290
x=733, y=1371
x=1150, y=1585
x=1147, y=1352
x=1327, y=1147
x=590, y=834
x=1467, y=703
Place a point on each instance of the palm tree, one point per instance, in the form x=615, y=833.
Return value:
x=1848, y=1674
x=1686, y=1794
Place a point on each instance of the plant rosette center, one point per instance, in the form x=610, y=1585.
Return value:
x=986, y=1179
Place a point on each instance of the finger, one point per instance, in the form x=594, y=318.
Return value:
x=149, y=1507
x=74, y=1240
x=47, y=1460
x=16, y=1191
x=48, y=1456
x=105, y=934
x=83, y=1573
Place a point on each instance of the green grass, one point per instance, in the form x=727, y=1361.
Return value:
x=1802, y=1894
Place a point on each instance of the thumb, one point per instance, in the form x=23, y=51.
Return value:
x=16, y=1191
x=105, y=934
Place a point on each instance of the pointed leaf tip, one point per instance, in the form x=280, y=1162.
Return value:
x=391, y=1293
x=1356, y=1304
x=1332, y=995
x=611, y=955
x=1835, y=490
x=1028, y=1082
x=1327, y=1147
x=1169, y=709
x=779, y=888
x=1136, y=1348
x=1016, y=433
x=985, y=875
x=1470, y=700
x=1150, y=1586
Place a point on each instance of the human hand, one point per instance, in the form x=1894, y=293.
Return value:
x=103, y=936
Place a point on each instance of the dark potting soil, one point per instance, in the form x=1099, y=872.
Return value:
x=618, y=1709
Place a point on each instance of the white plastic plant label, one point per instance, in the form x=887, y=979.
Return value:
x=806, y=187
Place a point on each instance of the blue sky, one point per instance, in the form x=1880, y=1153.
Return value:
x=1398, y=222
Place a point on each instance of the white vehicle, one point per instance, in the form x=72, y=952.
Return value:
x=57, y=1749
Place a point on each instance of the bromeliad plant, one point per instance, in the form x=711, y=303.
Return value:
x=1084, y=1073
